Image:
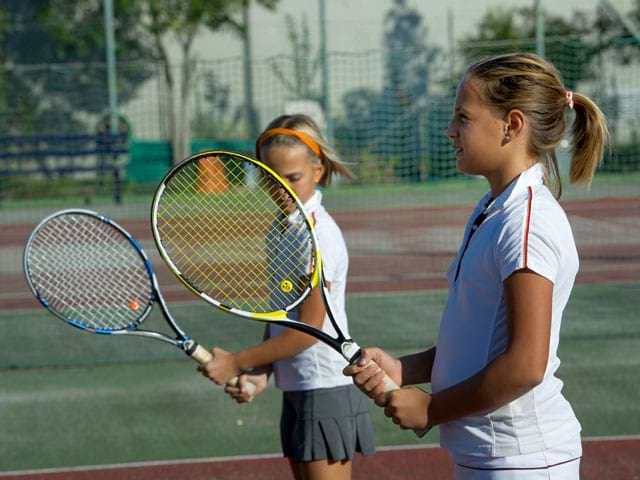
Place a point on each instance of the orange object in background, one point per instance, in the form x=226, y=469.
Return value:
x=212, y=177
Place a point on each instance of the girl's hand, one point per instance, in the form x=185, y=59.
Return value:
x=368, y=372
x=408, y=407
x=240, y=392
x=222, y=368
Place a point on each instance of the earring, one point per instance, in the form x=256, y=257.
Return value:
x=507, y=135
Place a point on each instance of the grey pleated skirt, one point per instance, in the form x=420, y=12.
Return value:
x=326, y=424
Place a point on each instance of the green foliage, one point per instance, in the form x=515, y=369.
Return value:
x=408, y=56
x=622, y=158
x=504, y=30
x=613, y=36
x=214, y=117
x=51, y=32
x=372, y=170
x=400, y=107
x=306, y=63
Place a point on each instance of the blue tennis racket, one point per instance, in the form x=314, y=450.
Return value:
x=90, y=272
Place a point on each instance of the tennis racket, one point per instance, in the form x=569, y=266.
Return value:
x=90, y=272
x=234, y=232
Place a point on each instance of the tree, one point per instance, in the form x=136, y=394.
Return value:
x=242, y=28
x=37, y=35
x=400, y=107
x=183, y=20
x=407, y=56
x=162, y=21
x=613, y=36
x=616, y=43
x=306, y=64
x=148, y=27
x=215, y=117
x=502, y=30
x=406, y=87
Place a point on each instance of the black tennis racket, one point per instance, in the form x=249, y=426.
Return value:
x=90, y=272
x=234, y=232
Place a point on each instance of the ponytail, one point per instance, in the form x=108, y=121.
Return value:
x=531, y=84
x=590, y=135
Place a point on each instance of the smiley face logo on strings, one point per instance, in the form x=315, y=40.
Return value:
x=286, y=286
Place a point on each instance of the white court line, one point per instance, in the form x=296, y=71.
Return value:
x=266, y=456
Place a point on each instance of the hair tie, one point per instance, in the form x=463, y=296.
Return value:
x=569, y=96
x=306, y=139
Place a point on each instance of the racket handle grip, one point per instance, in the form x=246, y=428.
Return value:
x=202, y=356
x=390, y=385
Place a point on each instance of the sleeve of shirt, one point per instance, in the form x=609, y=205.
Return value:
x=529, y=242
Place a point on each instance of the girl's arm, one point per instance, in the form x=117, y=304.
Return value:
x=416, y=368
x=520, y=368
x=226, y=365
x=288, y=343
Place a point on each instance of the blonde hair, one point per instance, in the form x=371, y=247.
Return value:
x=527, y=82
x=305, y=125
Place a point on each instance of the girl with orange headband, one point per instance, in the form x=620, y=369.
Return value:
x=325, y=418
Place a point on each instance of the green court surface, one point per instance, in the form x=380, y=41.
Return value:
x=71, y=398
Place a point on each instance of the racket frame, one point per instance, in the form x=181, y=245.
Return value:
x=182, y=340
x=347, y=347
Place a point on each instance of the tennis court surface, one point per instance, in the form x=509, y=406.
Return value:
x=604, y=459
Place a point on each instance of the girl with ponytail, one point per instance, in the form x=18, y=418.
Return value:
x=494, y=391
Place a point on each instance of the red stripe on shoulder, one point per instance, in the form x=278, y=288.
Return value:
x=526, y=229
x=313, y=217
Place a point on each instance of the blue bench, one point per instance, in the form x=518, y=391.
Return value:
x=59, y=155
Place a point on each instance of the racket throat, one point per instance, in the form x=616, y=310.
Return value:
x=189, y=346
x=350, y=351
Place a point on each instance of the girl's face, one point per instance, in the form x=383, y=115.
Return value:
x=295, y=165
x=477, y=132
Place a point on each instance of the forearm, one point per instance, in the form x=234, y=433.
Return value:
x=416, y=368
x=287, y=344
x=501, y=382
x=263, y=369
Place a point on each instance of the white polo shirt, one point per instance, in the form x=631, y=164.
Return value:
x=320, y=366
x=525, y=227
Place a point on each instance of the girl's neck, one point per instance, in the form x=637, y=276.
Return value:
x=500, y=180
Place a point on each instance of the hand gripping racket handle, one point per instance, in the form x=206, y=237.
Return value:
x=390, y=385
x=202, y=356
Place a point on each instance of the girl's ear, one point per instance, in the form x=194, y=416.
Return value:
x=515, y=122
x=319, y=169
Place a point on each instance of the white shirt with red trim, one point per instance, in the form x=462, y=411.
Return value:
x=320, y=366
x=525, y=227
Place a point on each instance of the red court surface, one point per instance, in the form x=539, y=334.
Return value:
x=398, y=250
x=603, y=459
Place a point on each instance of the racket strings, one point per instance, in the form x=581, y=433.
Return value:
x=89, y=273
x=188, y=237
x=243, y=245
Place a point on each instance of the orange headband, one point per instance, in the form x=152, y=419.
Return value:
x=306, y=139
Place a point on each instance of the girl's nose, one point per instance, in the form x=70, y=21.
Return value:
x=451, y=132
